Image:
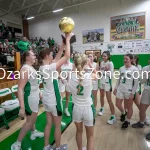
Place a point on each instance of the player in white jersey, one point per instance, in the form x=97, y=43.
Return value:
x=63, y=83
x=125, y=89
x=81, y=87
x=106, y=69
x=29, y=96
x=95, y=82
x=138, y=92
x=145, y=98
x=52, y=100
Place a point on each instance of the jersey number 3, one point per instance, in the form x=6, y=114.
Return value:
x=80, y=89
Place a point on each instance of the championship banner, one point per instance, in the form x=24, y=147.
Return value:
x=127, y=27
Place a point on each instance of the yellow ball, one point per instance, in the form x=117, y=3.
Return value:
x=66, y=24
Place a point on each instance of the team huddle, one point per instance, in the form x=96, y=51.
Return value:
x=83, y=88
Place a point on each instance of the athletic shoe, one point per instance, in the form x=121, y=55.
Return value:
x=67, y=112
x=48, y=148
x=147, y=121
x=125, y=125
x=148, y=136
x=111, y=120
x=123, y=117
x=138, y=125
x=63, y=147
x=100, y=113
x=36, y=134
x=16, y=146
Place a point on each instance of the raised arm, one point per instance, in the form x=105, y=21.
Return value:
x=58, y=56
x=61, y=61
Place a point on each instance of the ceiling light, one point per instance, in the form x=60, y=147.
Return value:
x=57, y=10
x=30, y=18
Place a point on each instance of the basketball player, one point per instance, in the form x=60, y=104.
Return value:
x=63, y=83
x=125, y=89
x=28, y=95
x=107, y=69
x=145, y=99
x=52, y=101
x=81, y=86
x=95, y=82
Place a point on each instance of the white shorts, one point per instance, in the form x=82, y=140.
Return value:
x=52, y=109
x=122, y=95
x=145, y=98
x=63, y=87
x=84, y=114
x=95, y=85
x=105, y=87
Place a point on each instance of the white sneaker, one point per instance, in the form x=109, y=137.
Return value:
x=48, y=148
x=63, y=147
x=112, y=120
x=147, y=121
x=100, y=113
x=36, y=134
x=67, y=112
x=16, y=146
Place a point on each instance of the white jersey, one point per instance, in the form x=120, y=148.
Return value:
x=139, y=67
x=66, y=69
x=31, y=90
x=106, y=75
x=144, y=78
x=49, y=93
x=32, y=86
x=82, y=97
x=127, y=83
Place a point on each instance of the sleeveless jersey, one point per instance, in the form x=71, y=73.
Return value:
x=81, y=94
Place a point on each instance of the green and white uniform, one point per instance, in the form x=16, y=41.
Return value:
x=145, y=98
x=106, y=79
x=83, y=110
x=128, y=83
x=139, y=85
x=31, y=91
x=65, y=71
x=52, y=101
x=89, y=70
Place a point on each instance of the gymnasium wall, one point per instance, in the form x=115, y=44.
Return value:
x=91, y=16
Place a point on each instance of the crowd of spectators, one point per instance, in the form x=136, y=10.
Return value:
x=8, y=47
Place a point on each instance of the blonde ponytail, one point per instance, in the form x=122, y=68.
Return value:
x=80, y=61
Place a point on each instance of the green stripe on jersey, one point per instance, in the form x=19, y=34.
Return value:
x=58, y=98
x=27, y=91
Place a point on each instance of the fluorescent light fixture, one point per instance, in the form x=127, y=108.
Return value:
x=57, y=10
x=30, y=18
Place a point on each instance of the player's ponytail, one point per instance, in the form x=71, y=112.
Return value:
x=80, y=60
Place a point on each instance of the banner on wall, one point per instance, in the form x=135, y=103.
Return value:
x=93, y=36
x=127, y=27
x=130, y=46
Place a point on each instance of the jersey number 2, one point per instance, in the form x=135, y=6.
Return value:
x=80, y=89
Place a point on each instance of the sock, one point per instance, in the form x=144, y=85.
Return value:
x=123, y=112
x=19, y=143
x=102, y=108
x=66, y=108
x=58, y=148
x=142, y=122
x=128, y=120
x=113, y=116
